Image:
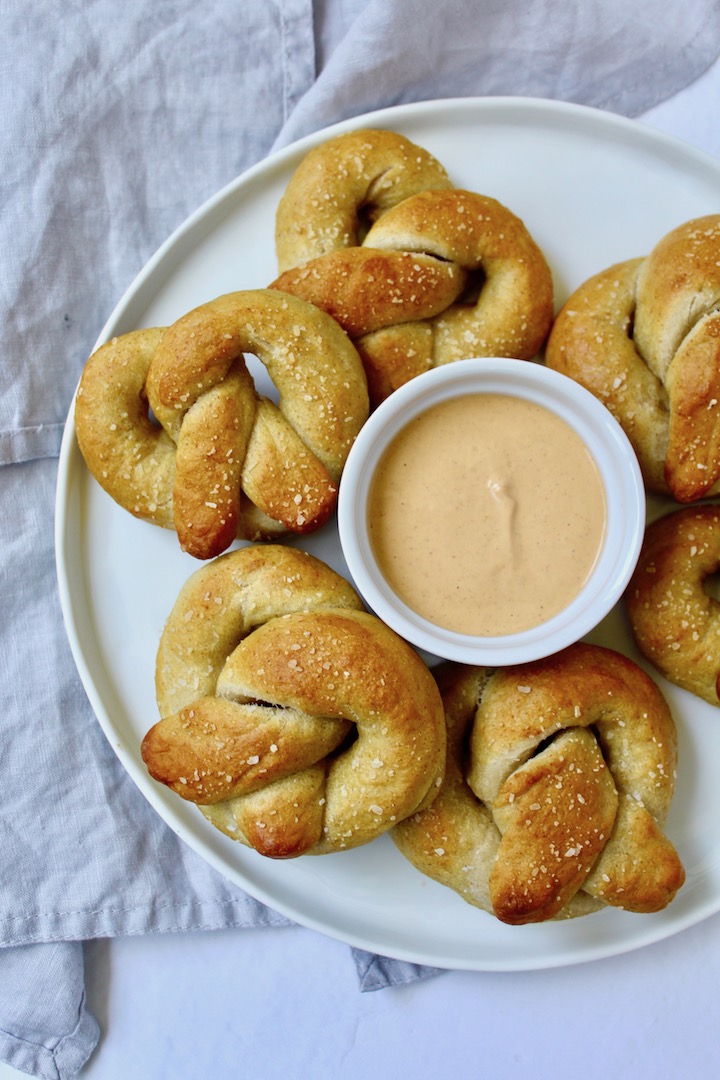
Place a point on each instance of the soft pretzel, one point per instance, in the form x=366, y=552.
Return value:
x=399, y=294
x=558, y=780
x=222, y=461
x=644, y=337
x=344, y=184
x=676, y=623
x=298, y=722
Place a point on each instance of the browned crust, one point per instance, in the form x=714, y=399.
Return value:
x=365, y=289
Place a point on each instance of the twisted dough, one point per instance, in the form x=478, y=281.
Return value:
x=225, y=462
x=573, y=762
x=399, y=294
x=676, y=623
x=344, y=184
x=644, y=337
x=299, y=723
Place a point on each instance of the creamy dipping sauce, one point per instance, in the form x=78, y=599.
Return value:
x=486, y=514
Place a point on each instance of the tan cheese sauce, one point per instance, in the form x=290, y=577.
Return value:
x=486, y=514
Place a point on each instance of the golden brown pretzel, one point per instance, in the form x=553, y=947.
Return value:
x=296, y=720
x=225, y=462
x=676, y=623
x=344, y=184
x=558, y=780
x=644, y=337
x=417, y=257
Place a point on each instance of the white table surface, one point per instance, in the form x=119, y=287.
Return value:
x=261, y=1004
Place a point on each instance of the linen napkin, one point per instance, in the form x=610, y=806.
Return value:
x=114, y=128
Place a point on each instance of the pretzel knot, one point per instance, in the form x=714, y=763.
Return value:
x=298, y=722
x=221, y=461
x=644, y=337
x=676, y=623
x=441, y=276
x=573, y=762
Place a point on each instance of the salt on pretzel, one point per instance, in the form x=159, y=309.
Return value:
x=558, y=780
x=222, y=461
x=344, y=184
x=644, y=337
x=400, y=295
x=675, y=622
x=298, y=722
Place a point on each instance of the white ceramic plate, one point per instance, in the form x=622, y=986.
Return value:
x=593, y=189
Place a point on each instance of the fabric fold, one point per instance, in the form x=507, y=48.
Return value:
x=601, y=53
x=45, y=1027
x=378, y=972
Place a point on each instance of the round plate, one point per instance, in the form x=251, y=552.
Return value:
x=593, y=189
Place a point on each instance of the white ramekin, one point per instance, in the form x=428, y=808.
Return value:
x=606, y=442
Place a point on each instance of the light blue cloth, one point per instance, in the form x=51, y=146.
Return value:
x=117, y=122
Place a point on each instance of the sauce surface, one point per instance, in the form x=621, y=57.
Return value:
x=486, y=514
